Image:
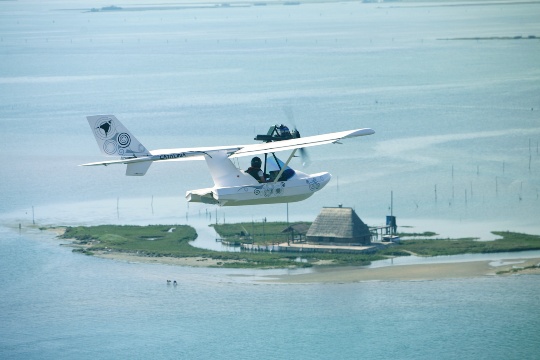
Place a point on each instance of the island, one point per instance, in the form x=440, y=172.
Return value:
x=170, y=244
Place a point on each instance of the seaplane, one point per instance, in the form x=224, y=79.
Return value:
x=271, y=183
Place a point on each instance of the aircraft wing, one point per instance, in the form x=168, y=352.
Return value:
x=114, y=139
x=300, y=142
x=138, y=164
x=185, y=154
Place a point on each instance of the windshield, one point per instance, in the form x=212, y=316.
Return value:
x=273, y=167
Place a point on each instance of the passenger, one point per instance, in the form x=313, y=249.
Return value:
x=255, y=170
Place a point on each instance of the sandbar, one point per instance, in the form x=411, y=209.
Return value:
x=166, y=260
x=349, y=274
x=417, y=272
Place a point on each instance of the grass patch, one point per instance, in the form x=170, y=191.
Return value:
x=517, y=270
x=134, y=239
x=435, y=247
x=423, y=234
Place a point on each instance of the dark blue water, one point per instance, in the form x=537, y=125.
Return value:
x=460, y=117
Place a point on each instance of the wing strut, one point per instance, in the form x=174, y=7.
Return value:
x=284, y=167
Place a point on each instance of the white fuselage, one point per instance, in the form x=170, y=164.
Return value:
x=298, y=188
x=233, y=187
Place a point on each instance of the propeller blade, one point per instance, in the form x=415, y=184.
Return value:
x=289, y=114
x=287, y=110
x=306, y=161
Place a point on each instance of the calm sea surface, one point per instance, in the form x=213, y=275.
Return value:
x=457, y=139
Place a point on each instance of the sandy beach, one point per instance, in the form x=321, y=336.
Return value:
x=181, y=261
x=330, y=274
x=410, y=272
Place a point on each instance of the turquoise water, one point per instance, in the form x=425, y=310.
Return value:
x=57, y=305
x=460, y=117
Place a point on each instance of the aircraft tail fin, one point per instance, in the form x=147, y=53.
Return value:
x=114, y=139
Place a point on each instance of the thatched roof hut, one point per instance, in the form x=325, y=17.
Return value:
x=339, y=225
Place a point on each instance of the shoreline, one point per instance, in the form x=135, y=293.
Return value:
x=163, y=260
x=345, y=274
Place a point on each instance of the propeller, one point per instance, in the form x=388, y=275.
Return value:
x=287, y=110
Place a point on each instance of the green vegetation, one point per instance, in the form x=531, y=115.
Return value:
x=424, y=234
x=393, y=251
x=518, y=269
x=173, y=241
x=509, y=242
x=152, y=240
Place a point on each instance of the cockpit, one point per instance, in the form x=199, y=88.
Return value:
x=273, y=169
x=270, y=169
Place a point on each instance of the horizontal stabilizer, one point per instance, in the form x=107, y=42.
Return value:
x=120, y=161
x=138, y=169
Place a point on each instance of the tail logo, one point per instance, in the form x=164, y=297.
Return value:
x=124, y=140
x=109, y=147
x=105, y=128
x=113, y=138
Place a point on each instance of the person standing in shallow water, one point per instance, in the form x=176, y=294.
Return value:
x=255, y=169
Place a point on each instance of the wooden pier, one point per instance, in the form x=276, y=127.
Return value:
x=313, y=248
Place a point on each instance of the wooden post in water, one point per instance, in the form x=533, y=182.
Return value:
x=252, y=231
x=264, y=232
x=530, y=155
x=391, y=203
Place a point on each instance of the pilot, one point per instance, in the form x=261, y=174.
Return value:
x=255, y=169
